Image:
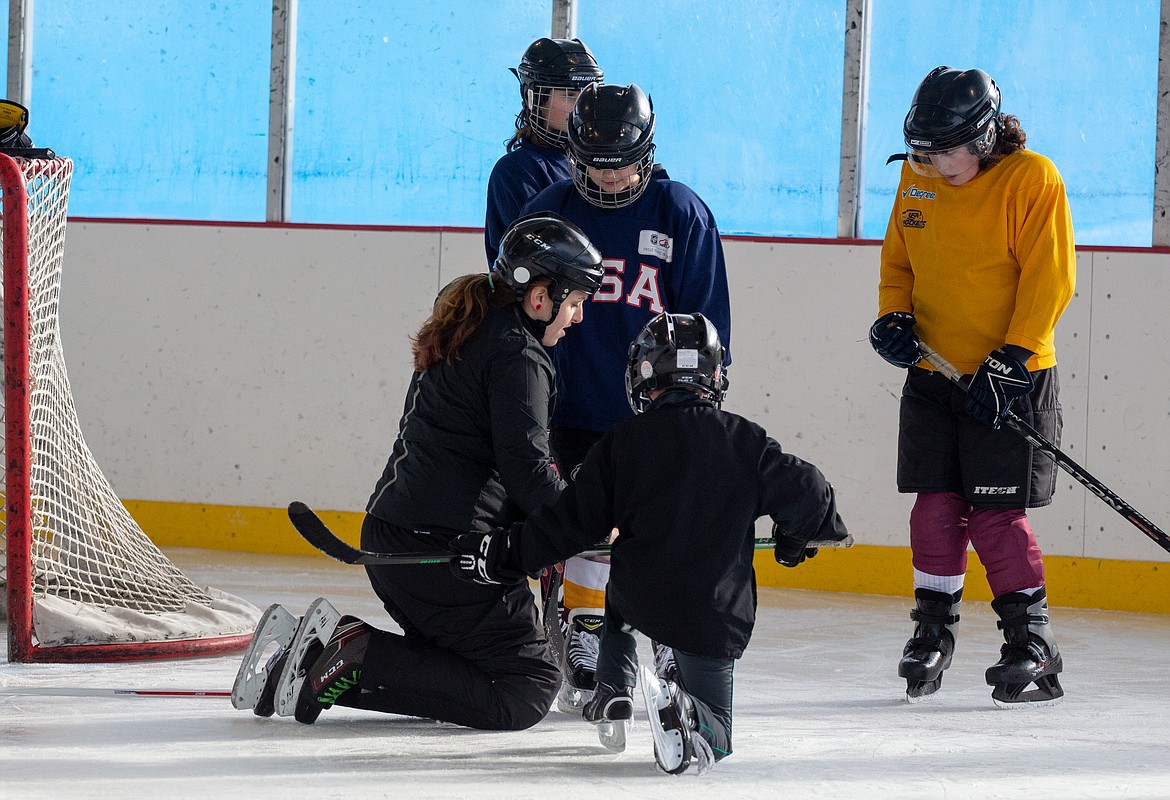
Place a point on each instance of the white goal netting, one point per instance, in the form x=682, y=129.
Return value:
x=96, y=577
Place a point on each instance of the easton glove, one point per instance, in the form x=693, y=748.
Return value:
x=894, y=339
x=999, y=380
x=486, y=558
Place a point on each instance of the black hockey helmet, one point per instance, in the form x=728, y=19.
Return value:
x=953, y=108
x=13, y=121
x=611, y=127
x=675, y=350
x=547, y=245
x=550, y=64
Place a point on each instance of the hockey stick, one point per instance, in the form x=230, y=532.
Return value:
x=68, y=691
x=317, y=533
x=1037, y=440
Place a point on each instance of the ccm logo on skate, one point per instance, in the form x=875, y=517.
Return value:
x=996, y=489
x=324, y=677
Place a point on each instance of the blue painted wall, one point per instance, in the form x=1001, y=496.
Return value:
x=402, y=108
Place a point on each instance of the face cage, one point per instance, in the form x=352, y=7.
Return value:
x=536, y=100
x=981, y=146
x=593, y=193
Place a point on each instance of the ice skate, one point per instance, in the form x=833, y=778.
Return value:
x=314, y=630
x=610, y=709
x=585, y=626
x=270, y=641
x=673, y=726
x=1029, y=656
x=664, y=663
x=333, y=670
x=928, y=653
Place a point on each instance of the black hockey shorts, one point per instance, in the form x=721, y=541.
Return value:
x=941, y=448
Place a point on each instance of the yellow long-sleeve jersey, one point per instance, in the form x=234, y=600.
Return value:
x=984, y=264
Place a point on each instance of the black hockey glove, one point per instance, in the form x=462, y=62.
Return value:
x=791, y=551
x=486, y=558
x=894, y=339
x=1000, y=379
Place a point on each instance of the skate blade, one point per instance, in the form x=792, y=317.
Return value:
x=670, y=747
x=612, y=734
x=317, y=625
x=924, y=692
x=571, y=700
x=273, y=632
x=1048, y=692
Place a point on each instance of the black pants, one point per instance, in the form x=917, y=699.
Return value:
x=708, y=681
x=472, y=655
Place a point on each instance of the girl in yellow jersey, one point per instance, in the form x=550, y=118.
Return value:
x=978, y=261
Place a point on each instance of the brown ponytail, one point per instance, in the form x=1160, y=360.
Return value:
x=458, y=311
x=1009, y=138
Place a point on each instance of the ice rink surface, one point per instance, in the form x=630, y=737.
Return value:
x=819, y=713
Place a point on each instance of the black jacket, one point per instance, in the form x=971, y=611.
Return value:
x=684, y=484
x=472, y=449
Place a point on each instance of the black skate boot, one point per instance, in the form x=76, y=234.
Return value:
x=332, y=670
x=674, y=726
x=929, y=651
x=611, y=708
x=1029, y=655
x=585, y=627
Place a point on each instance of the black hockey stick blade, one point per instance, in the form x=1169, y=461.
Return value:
x=317, y=533
x=1041, y=443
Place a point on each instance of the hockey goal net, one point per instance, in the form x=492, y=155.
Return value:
x=82, y=580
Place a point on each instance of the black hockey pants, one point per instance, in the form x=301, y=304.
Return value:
x=472, y=655
x=708, y=681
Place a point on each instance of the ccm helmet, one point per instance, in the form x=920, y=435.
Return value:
x=612, y=127
x=951, y=109
x=548, y=65
x=675, y=350
x=546, y=245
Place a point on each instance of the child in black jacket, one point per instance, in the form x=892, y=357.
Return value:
x=684, y=483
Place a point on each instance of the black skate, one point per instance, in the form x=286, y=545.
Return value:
x=611, y=708
x=1029, y=655
x=928, y=653
x=333, y=670
x=314, y=630
x=252, y=689
x=671, y=713
x=581, y=660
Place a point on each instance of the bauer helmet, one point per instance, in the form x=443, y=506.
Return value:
x=951, y=109
x=611, y=128
x=549, y=246
x=549, y=65
x=675, y=350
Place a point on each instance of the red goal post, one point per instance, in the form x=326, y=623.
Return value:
x=83, y=582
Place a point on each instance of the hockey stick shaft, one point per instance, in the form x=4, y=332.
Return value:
x=1037, y=440
x=71, y=691
x=317, y=533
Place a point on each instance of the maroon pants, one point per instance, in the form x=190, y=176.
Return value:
x=942, y=524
